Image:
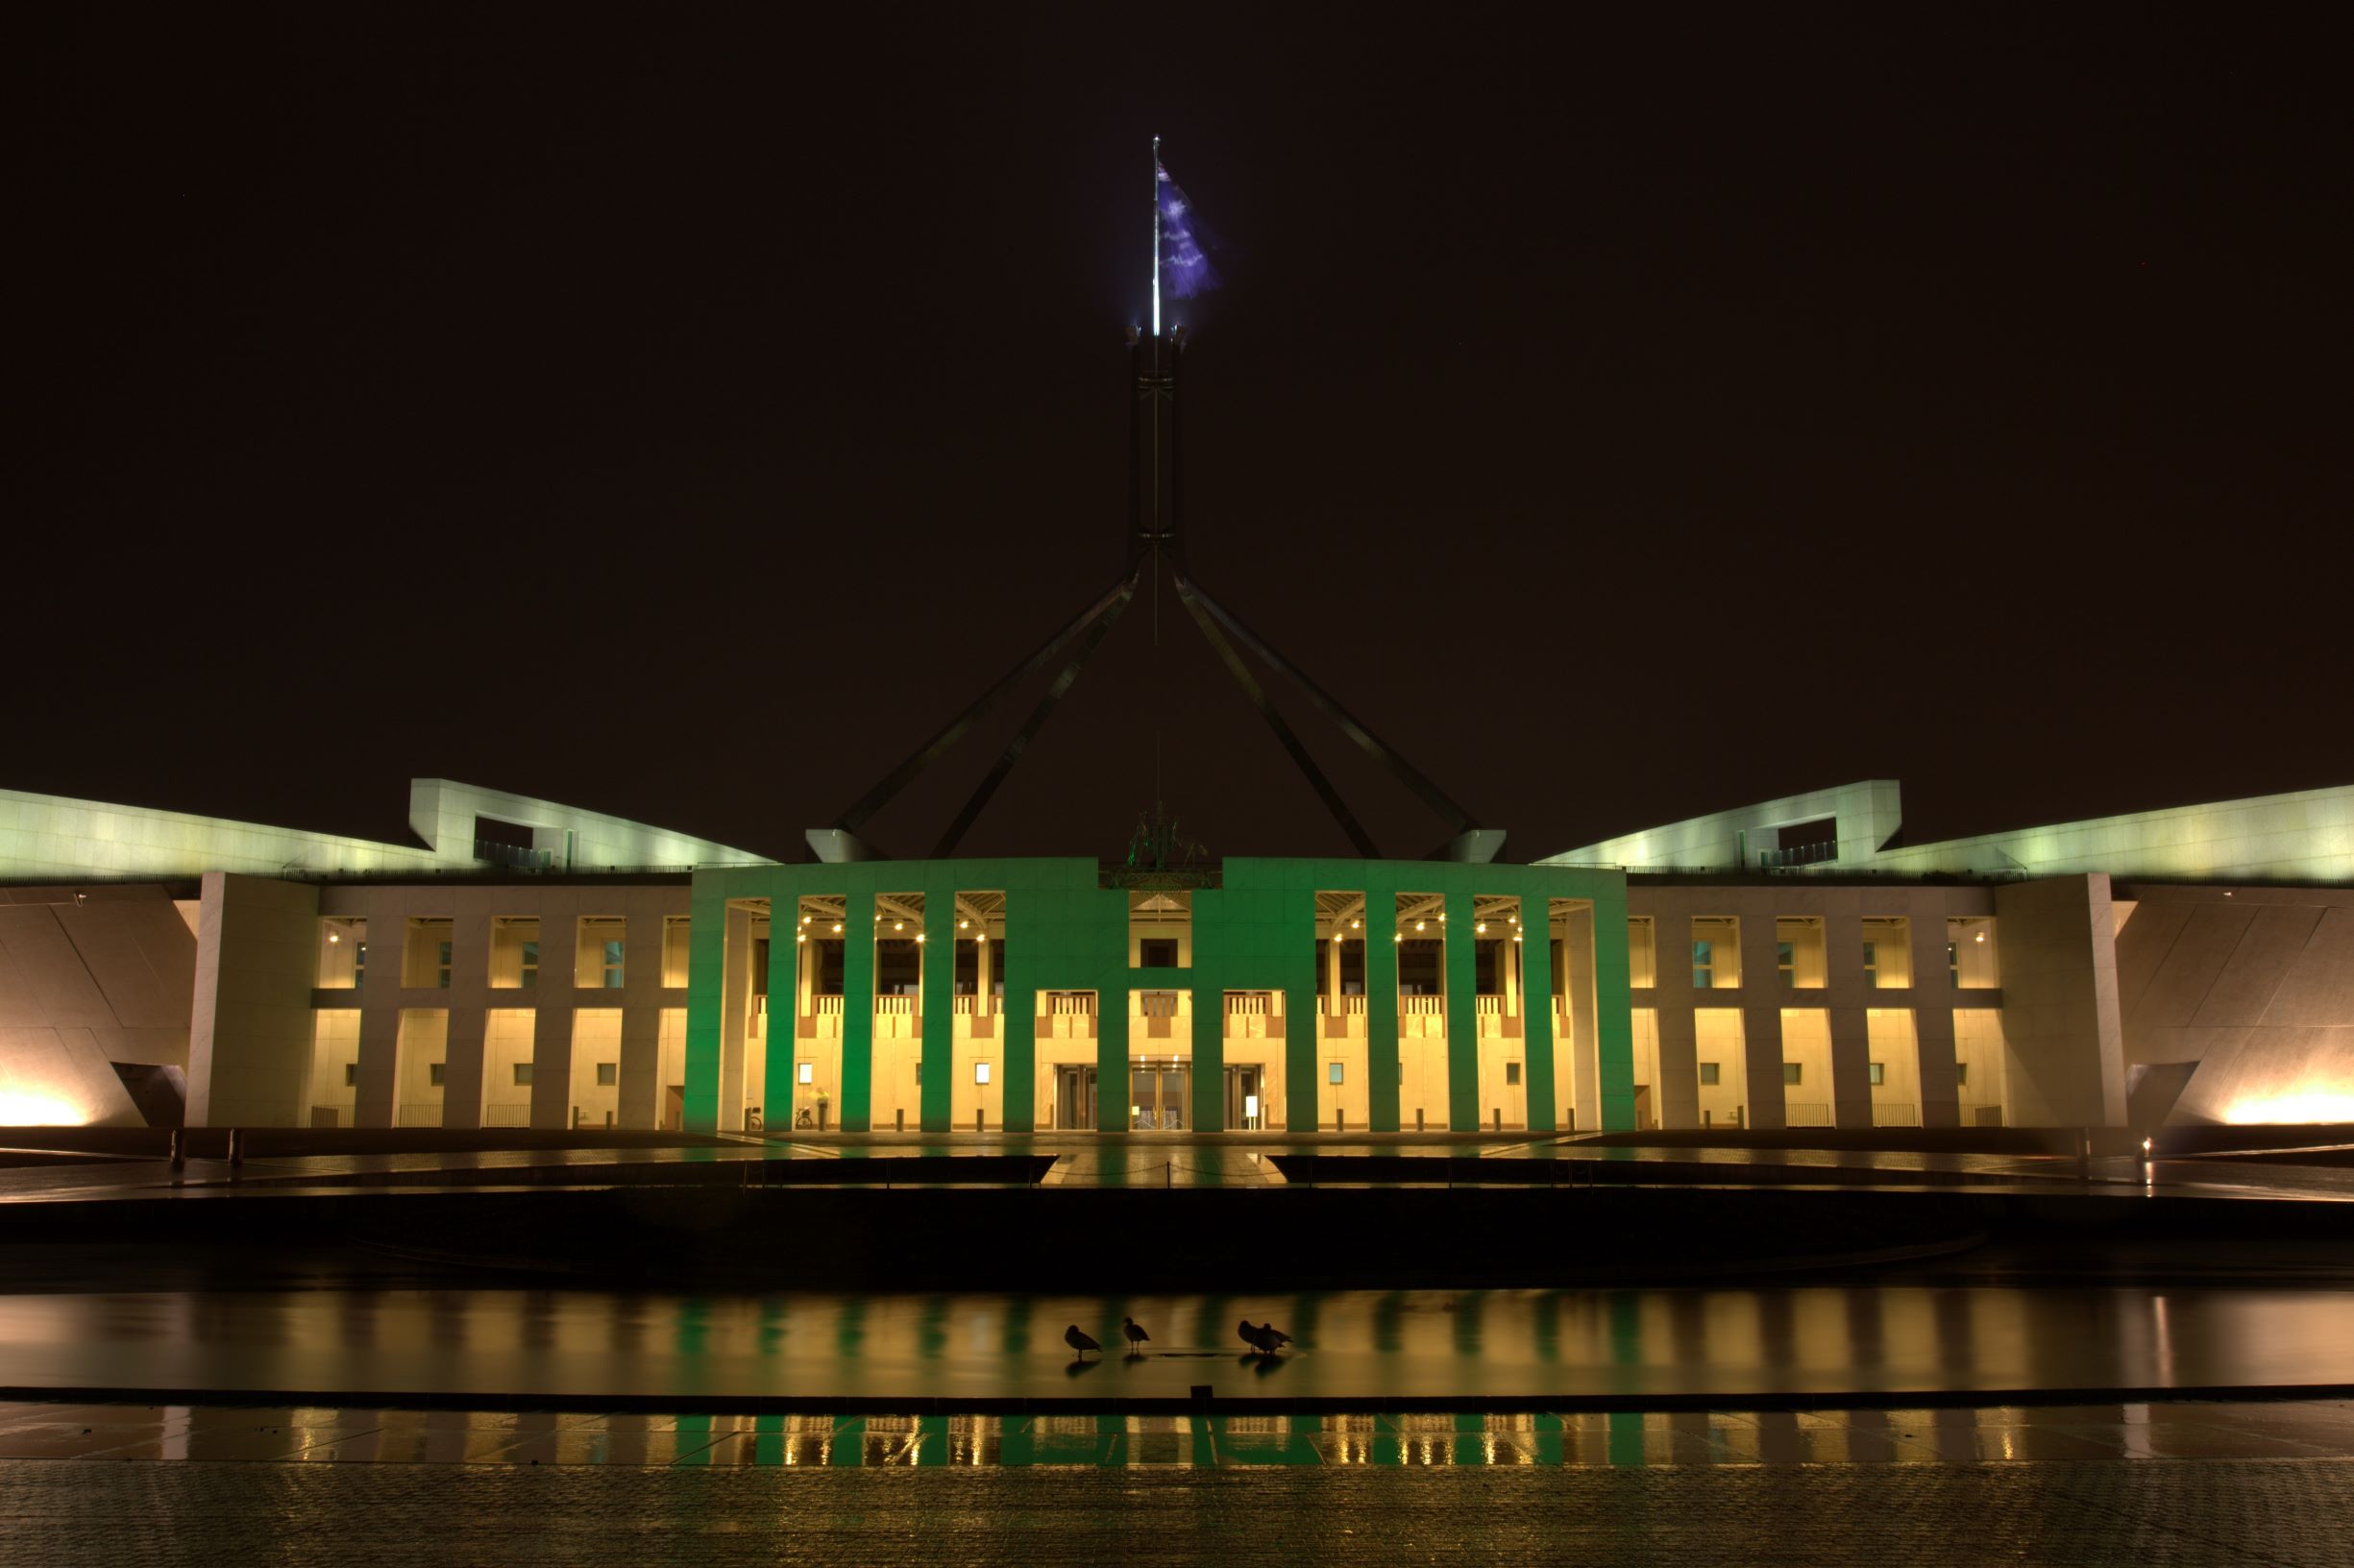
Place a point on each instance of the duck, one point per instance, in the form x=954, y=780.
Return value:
x=1080, y=1342
x=1137, y=1336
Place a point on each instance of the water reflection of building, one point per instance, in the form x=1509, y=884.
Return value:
x=1788, y=965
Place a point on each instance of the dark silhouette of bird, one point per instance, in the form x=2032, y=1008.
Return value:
x=1275, y=1338
x=1078, y=1341
x=1250, y=1335
x=1136, y=1335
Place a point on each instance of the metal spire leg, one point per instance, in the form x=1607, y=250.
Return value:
x=1235, y=666
x=1437, y=800
x=1105, y=617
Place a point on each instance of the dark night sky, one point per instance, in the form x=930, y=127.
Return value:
x=680, y=418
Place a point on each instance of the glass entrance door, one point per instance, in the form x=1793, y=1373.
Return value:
x=1160, y=1095
x=1074, y=1098
x=1247, y=1107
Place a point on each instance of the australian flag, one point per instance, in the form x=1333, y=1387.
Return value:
x=1185, y=269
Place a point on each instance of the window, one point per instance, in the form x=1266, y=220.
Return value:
x=1704, y=964
x=1335, y=1071
x=1961, y=1072
x=528, y=958
x=1953, y=964
x=523, y=1074
x=1786, y=961
x=359, y=964
x=1512, y=1074
x=609, y=1074
x=980, y=1072
x=612, y=964
x=1791, y=1072
x=441, y=966
x=351, y=1075
x=808, y=1073
x=1879, y=1072
x=433, y=1070
x=1872, y=964
x=1708, y=1075
x=1157, y=953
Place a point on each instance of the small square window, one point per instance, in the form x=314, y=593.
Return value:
x=1791, y=1071
x=1512, y=1074
x=980, y=1072
x=1335, y=1071
x=432, y=1073
x=351, y=1075
x=808, y=1072
x=1961, y=1072
x=1879, y=1073
x=608, y=1074
x=1708, y=1074
x=1157, y=953
x=523, y=1074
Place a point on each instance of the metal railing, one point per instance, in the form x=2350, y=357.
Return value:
x=1343, y=1007
x=1798, y=855
x=902, y=1007
x=1489, y=1006
x=506, y=1115
x=822, y=1007
x=513, y=854
x=1807, y=1115
x=1894, y=1114
x=1422, y=1006
x=420, y=1114
x=1247, y=1003
x=1070, y=1003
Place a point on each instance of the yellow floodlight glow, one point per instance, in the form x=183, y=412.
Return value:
x=1417, y=925
x=2321, y=1105
x=1480, y=929
x=24, y=1110
x=837, y=925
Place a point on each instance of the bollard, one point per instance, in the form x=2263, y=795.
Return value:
x=1417, y=1118
x=1740, y=1116
x=180, y=1148
x=236, y=1145
x=899, y=1118
x=1572, y=1118
x=1169, y=1173
x=976, y=1119
x=1499, y=1120
x=1706, y=1117
x=822, y=1110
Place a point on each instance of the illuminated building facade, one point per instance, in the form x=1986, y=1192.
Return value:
x=522, y=964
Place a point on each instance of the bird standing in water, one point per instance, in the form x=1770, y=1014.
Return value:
x=1136, y=1334
x=1250, y=1335
x=1080, y=1342
x=1274, y=1338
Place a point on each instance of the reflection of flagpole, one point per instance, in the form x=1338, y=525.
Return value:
x=1156, y=236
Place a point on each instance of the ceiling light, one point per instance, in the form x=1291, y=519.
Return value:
x=1397, y=939
x=961, y=925
x=898, y=925
x=1442, y=919
x=1417, y=925
x=335, y=936
x=1480, y=929
x=1515, y=920
x=981, y=937
x=1980, y=937
x=837, y=925
x=918, y=936
x=799, y=935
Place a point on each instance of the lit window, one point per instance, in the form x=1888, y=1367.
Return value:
x=1708, y=1074
x=1954, y=964
x=1791, y=1071
x=1786, y=960
x=1512, y=1074
x=980, y=1072
x=441, y=965
x=1879, y=1073
x=1334, y=1072
x=359, y=962
x=528, y=958
x=434, y=1070
x=608, y=1074
x=1872, y=964
x=613, y=966
x=1704, y=964
x=522, y=1075
x=809, y=1072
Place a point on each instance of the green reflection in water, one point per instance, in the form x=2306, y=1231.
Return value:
x=850, y=1446
x=695, y=1439
x=1017, y=1339
x=769, y=1439
x=850, y=1327
x=1111, y=1431
x=1470, y=1439
x=932, y=1327
x=694, y=1325
x=932, y=1441
x=1389, y=1323
x=1625, y=1439
x=1470, y=1311
x=1546, y=1439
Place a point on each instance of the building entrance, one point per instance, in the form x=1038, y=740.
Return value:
x=1160, y=1094
x=1247, y=1098
x=1074, y=1098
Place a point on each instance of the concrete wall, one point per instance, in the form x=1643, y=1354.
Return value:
x=251, y=1030
x=88, y=977
x=2255, y=985
x=2060, y=1014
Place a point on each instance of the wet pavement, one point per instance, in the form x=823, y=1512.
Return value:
x=1507, y=1349
x=1221, y=1160
x=2107, y=1485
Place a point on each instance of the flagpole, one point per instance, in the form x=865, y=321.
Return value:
x=1156, y=236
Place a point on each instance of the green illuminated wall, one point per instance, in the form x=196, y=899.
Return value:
x=1256, y=933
